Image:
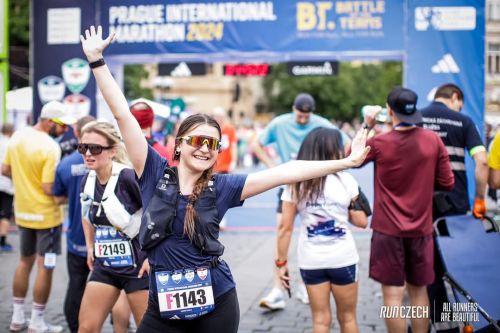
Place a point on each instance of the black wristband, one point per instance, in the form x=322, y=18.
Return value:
x=97, y=63
x=365, y=126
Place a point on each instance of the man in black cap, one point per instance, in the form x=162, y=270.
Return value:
x=287, y=132
x=410, y=161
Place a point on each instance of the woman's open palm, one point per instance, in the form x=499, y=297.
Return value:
x=359, y=150
x=93, y=45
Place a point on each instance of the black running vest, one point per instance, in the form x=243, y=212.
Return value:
x=157, y=220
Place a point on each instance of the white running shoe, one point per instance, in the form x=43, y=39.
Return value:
x=275, y=300
x=45, y=328
x=18, y=327
x=301, y=294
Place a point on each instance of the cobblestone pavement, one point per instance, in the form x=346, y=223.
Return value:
x=250, y=256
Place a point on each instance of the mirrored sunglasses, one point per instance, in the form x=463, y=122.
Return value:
x=94, y=149
x=198, y=141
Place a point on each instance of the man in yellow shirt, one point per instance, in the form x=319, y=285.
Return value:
x=494, y=163
x=30, y=160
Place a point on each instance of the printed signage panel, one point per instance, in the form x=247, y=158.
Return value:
x=312, y=68
x=182, y=69
x=446, y=45
x=157, y=27
x=60, y=69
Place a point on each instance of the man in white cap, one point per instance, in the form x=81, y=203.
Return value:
x=30, y=160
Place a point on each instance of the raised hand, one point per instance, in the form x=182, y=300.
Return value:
x=359, y=150
x=93, y=45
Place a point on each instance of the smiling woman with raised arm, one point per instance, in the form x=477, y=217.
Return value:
x=183, y=206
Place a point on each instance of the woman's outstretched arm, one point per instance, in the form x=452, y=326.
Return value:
x=137, y=147
x=296, y=171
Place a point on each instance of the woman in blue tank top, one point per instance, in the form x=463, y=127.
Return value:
x=191, y=288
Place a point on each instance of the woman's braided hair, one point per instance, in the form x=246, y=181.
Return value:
x=189, y=124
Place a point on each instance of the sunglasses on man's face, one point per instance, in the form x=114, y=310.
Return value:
x=94, y=149
x=199, y=141
x=58, y=122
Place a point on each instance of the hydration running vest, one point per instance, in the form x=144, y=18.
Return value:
x=115, y=212
x=158, y=219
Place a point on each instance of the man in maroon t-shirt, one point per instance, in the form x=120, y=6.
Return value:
x=409, y=163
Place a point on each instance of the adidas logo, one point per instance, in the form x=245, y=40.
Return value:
x=182, y=69
x=446, y=65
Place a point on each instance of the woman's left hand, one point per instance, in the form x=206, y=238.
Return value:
x=93, y=45
x=359, y=150
x=144, y=269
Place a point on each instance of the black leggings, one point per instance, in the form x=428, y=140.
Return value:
x=78, y=272
x=224, y=319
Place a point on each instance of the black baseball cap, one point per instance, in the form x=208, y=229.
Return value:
x=304, y=103
x=404, y=103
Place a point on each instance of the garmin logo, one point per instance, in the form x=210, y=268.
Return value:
x=326, y=68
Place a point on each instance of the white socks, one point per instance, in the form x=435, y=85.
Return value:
x=37, y=315
x=18, y=315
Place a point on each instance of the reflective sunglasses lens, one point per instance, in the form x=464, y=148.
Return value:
x=199, y=141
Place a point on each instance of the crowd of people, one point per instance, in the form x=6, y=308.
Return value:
x=144, y=218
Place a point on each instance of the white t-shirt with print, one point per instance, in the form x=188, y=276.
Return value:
x=325, y=240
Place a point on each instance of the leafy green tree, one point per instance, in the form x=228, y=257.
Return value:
x=132, y=82
x=337, y=97
x=19, y=22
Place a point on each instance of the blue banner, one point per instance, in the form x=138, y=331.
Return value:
x=445, y=44
x=225, y=27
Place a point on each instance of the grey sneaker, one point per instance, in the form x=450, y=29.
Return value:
x=275, y=300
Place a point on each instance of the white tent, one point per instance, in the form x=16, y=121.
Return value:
x=19, y=106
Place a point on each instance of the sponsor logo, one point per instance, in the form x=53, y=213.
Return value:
x=177, y=277
x=202, y=273
x=189, y=275
x=98, y=233
x=325, y=69
x=51, y=88
x=163, y=278
x=112, y=232
x=247, y=70
x=431, y=93
x=76, y=74
x=182, y=70
x=78, y=105
x=446, y=65
x=105, y=232
x=445, y=18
